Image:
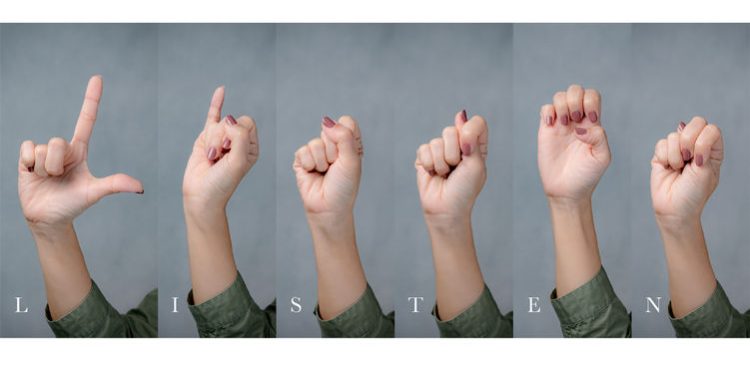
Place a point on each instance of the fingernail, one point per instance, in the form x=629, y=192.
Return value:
x=682, y=125
x=564, y=119
x=464, y=116
x=686, y=155
x=226, y=144
x=549, y=120
x=140, y=192
x=466, y=149
x=328, y=122
x=699, y=160
x=580, y=131
x=231, y=120
x=31, y=169
x=577, y=116
x=593, y=117
x=211, y=153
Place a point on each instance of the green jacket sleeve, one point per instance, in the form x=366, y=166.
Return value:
x=233, y=313
x=592, y=310
x=481, y=319
x=95, y=317
x=715, y=318
x=363, y=319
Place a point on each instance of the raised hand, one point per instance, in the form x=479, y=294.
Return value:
x=328, y=168
x=223, y=153
x=54, y=181
x=573, y=149
x=451, y=170
x=685, y=170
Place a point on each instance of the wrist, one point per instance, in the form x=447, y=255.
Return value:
x=569, y=205
x=204, y=215
x=679, y=226
x=448, y=224
x=50, y=232
x=332, y=230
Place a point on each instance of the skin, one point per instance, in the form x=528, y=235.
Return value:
x=54, y=187
x=573, y=154
x=684, y=173
x=328, y=171
x=222, y=155
x=451, y=172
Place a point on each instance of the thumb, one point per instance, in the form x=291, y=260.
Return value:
x=595, y=137
x=473, y=137
x=344, y=138
x=116, y=183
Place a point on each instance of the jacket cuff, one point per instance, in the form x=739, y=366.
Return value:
x=362, y=319
x=585, y=302
x=478, y=320
x=88, y=319
x=224, y=310
x=712, y=319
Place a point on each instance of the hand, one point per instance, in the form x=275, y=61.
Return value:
x=328, y=169
x=222, y=154
x=451, y=170
x=685, y=171
x=573, y=149
x=54, y=181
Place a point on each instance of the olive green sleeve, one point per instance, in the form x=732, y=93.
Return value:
x=481, y=319
x=95, y=317
x=363, y=319
x=592, y=310
x=233, y=313
x=715, y=318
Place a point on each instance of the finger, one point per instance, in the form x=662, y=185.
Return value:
x=214, y=107
x=330, y=147
x=594, y=136
x=305, y=158
x=473, y=137
x=592, y=105
x=460, y=119
x=438, y=157
x=40, y=155
x=709, y=146
x=54, y=163
x=113, y=184
x=87, y=117
x=681, y=126
x=26, y=157
x=344, y=136
x=689, y=135
x=660, y=153
x=318, y=151
x=574, y=96
x=674, y=154
x=247, y=124
x=560, y=102
x=216, y=140
x=451, y=148
x=547, y=115
x=244, y=146
x=425, y=159
x=350, y=123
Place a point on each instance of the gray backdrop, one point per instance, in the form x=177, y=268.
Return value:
x=438, y=70
x=193, y=61
x=333, y=70
x=548, y=58
x=45, y=69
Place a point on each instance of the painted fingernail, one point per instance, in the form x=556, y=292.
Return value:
x=466, y=149
x=686, y=155
x=577, y=116
x=464, y=116
x=699, y=160
x=211, y=153
x=548, y=120
x=31, y=169
x=682, y=125
x=226, y=144
x=592, y=116
x=231, y=120
x=328, y=122
x=581, y=131
x=140, y=192
x=564, y=119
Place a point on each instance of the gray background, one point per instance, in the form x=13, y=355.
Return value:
x=682, y=71
x=333, y=70
x=193, y=61
x=548, y=58
x=440, y=69
x=45, y=69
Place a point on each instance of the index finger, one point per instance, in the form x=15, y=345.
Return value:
x=214, y=108
x=87, y=117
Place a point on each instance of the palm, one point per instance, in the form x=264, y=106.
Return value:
x=456, y=193
x=201, y=181
x=682, y=193
x=569, y=167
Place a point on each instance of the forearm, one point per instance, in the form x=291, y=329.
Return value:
x=577, y=257
x=691, y=277
x=458, y=278
x=66, y=278
x=212, y=266
x=341, y=278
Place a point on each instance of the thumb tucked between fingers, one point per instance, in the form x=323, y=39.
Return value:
x=116, y=183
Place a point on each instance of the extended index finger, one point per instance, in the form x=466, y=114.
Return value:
x=87, y=117
x=214, y=109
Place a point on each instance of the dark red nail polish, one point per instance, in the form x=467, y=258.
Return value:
x=682, y=125
x=328, y=122
x=699, y=160
x=211, y=153
x=227, y=143
x=581, y=131
x=685, y=155
x=593, y=117
x=577, y=116
x=564, y=119
x=549, y=120
x=140, y=192
x=466, y=149
x=464, y=116
x=231, y=120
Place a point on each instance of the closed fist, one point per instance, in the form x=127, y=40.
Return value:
x=451, y=169
x=573, y=150
x=685, y=170
x=328, y=168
